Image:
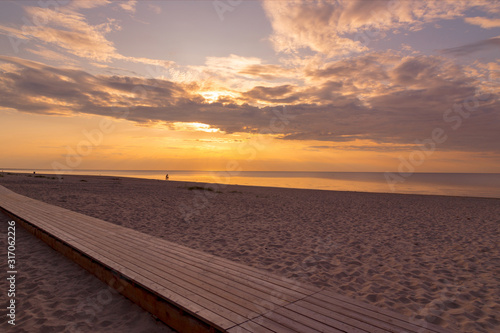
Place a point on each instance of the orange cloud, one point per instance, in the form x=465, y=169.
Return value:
x=336, y=27
x=420, y=94
x=483, y=22
x=268, y=72
x=51, y=55
x=129, y=6
x=67, y=29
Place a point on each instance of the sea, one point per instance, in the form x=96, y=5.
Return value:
x=451, y=184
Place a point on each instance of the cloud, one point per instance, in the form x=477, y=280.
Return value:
x=232, y=63
x=298, y=25
x=484, y=45
x=483, y=22
x=155, y=8
x=84, y=4
x=51, y=55
x=418, y=93
x=340, y=27
x=267, y=72
x=370, y=66
x=422, y=72
x=278, y=95
x=233, y=73
x=66, y=29
x=129, y=6
x=368, y=147
x=70, y=30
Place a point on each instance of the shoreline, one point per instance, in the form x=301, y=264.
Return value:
x=425, y=256
x=48, y=175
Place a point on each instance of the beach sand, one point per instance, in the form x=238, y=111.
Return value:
x=431, y=257
x=54, y=294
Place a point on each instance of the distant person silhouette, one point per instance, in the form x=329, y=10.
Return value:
x=166, y=177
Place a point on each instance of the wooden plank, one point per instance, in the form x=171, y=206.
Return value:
x=301, y=318
x=126, y=271
x=240, y=329
x=370, y=307
x=275, y=282
x=367, y=306
x=130, y=249
x=183, y=262
x=293, y=285
x=332, y=321
x=226, y=289
x=216, y=290
x=250, y=326
x=184, y=297
x=182, y=287
x=52, y=212
x=258, y=282
x=165, y=311
x=290, y=324
x=281, y=292
x=89, y=240
x=94, y=234
x=207, y=257
x=174, y=274
x=273, y=325
x=189, y=301
x=358, y=313
x=336, y=319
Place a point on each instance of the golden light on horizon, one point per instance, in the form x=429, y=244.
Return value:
x=213, y=96
x=199, y=127
x=273, y=94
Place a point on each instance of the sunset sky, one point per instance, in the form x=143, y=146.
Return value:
x=341, y=85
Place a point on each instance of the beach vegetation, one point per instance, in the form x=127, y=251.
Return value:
x=41, y=176
x=200, y=188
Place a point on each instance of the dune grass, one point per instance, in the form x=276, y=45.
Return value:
x=201, y=188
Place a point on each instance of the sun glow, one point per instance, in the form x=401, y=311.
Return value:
x=213, y=96
x=200, y=127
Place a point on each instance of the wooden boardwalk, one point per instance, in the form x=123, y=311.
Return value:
x=192, y=291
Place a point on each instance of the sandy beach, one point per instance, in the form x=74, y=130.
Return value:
x=54, y=294
x=431, y=257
